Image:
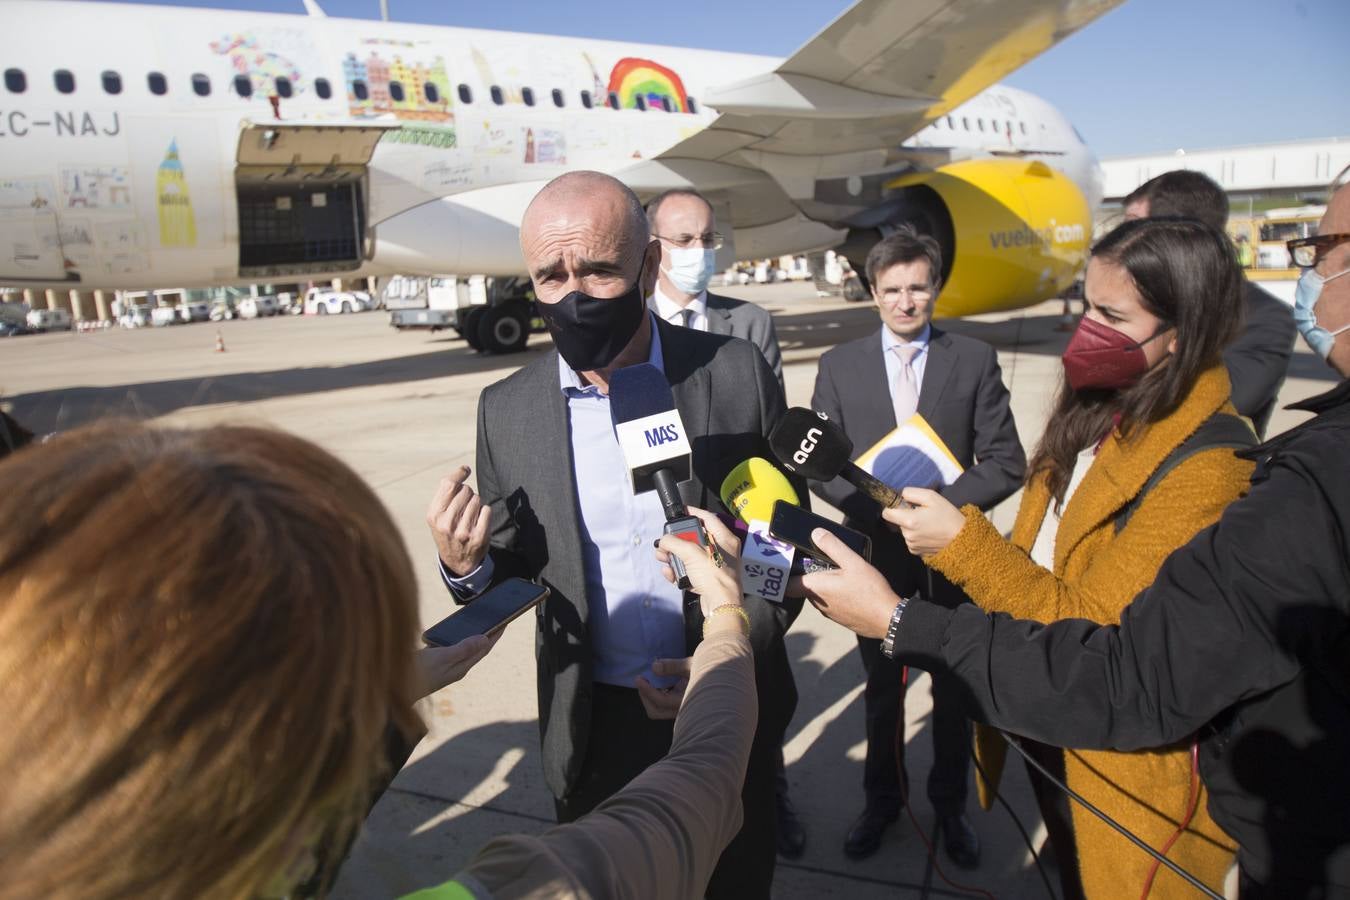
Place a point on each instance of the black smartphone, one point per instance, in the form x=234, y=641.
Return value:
x=793, y=524
x=488, y=614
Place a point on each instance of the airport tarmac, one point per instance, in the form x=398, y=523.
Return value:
x=399, y=408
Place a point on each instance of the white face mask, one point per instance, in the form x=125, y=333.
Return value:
x=691, y=268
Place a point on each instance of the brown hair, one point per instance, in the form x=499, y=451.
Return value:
x=905, y=245
x=1187, y=275
x=204, y=637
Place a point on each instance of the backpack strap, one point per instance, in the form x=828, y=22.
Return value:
x=1219, y=430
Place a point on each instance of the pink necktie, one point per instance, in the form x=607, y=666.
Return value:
x=905, y=396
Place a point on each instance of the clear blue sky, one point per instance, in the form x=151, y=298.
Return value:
x=1151, y=76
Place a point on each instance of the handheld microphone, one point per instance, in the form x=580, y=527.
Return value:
x=808, y=443
x=655, y=449
x=750, y=491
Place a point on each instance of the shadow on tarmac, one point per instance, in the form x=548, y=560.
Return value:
x=46, y=411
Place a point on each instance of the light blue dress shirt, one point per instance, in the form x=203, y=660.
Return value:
x=635, y=616
x=920, y=361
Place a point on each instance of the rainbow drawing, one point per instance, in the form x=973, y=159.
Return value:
x=632, y=77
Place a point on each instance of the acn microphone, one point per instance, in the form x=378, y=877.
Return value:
x=808, y=443
x=655, y=448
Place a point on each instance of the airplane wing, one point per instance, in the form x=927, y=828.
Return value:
x=844, y=102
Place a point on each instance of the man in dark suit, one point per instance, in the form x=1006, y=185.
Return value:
x=1258, y=359
x=684, y=222
x=613, y=635
x=686, y=225
x=867, y=386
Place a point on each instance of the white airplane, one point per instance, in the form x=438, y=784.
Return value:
x=144, y=145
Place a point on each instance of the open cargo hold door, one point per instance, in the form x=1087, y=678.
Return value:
x=302, y=192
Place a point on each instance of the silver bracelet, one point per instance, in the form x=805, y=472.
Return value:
x=888, y=642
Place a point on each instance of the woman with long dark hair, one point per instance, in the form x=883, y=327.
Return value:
x=1136, y=458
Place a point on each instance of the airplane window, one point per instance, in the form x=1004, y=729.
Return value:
x=496, y=93
x=667, y=104
x=640, y=102
x=323, y=88
x=1023, y=126
x=980, y=123
x=15, y=82
x=558, y=100
x=284, y=88
x=157, y=83
x=691, y=104
x=465, y=95
x=201, y=85
x=433, y=93
x=243, y=86
x=527, y=94
x=613, y=100
x=951, y=124
x=965, y=123
x=396, y=91
x=112, y=82
x=586, y=99
x=65, y=81
x=359, y=90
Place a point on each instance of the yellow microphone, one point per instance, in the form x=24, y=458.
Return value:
x=751, y=489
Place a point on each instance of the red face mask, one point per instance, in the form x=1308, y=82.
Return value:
x=1103, y=358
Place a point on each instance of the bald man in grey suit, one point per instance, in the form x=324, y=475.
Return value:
x=686, y=225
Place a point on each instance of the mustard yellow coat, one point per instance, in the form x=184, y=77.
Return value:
x=1096, y=574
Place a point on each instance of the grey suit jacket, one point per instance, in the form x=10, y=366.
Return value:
x=728, y=401
x=1258, y=359
x=727, y=315
x=962, y=397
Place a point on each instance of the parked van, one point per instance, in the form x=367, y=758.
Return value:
x=49, y=320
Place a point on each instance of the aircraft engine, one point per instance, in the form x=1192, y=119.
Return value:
x=1013, y=232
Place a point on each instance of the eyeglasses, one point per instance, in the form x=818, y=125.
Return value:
x=709, y=241
x=890, y=295
x=1307, y=252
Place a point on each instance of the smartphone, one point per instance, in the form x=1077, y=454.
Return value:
x=488, y=614
x=793, y=524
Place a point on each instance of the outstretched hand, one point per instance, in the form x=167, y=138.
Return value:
x=716, y=577
x=929, y=522
x=854, y=595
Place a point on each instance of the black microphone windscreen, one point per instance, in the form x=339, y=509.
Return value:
x=809, y=444
x=636, y=392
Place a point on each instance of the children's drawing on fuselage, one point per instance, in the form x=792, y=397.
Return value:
x=407, y=83
x=95, y=187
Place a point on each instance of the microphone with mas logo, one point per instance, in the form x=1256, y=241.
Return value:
x=808, y=443
x=750, y=490
x=655, y=448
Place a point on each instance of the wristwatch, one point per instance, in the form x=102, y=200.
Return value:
x=888, y=642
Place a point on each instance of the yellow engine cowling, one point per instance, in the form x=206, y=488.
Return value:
x=1016, y=232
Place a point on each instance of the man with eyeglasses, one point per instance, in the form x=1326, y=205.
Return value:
x=867, y=387
x=1242, y=642
x=685, y=224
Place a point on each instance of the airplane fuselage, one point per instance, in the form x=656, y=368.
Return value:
x=165, y=146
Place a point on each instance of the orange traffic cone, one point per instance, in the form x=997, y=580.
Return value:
x=220, y=342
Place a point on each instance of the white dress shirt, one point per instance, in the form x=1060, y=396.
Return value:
x=672, y=312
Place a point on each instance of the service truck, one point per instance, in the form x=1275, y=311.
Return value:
x=494, y=315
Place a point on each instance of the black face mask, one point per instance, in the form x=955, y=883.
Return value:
x=589, y=332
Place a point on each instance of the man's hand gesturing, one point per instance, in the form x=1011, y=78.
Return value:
x=459, y=524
